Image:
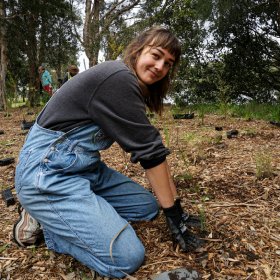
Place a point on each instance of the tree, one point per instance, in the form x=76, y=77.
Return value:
x=39, y=33
x=57, y=34
x=3, y=55
x=247, y=33
x=100, y=17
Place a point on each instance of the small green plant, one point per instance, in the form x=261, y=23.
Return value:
x=166, y=136
x=202, y=216
x=195, y=189
x=185, y=176
x=33, y=249
x=224, y=109
x=3, y=248
x=217, y=139
x=250, y=132
x=201, y=113
x=183, y=157
x=181, y=154
x=263, y=161
x=190, y=137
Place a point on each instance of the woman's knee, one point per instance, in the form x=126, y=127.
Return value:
x=130, y=256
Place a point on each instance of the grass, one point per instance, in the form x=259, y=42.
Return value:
x=249, y=111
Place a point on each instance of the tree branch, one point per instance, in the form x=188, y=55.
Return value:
x=111, y=17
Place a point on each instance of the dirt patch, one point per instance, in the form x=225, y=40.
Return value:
x=216, y=178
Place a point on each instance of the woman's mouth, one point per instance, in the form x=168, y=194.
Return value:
x=153, y=74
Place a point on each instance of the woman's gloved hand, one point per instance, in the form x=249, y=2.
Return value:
x=189, y=220
x=179, y=230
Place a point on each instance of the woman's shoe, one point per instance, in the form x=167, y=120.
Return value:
x=27, y=231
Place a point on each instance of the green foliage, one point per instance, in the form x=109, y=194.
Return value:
x=230, y=48
x=246, y=32
x=39, y=32
x=228, y=45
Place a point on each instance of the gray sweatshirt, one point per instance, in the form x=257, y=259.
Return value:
x=108, y=95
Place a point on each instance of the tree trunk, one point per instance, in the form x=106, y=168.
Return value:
x=3, y=56
x=91, y=32
x=31, y=50
x=98, y=22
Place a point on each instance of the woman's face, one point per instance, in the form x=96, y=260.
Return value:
x=153, y=64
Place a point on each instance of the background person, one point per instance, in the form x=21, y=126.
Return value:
x=72, y=71
x=83, y=206
x=46, y=79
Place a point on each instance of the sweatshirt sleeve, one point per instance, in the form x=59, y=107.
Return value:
x=118, y=108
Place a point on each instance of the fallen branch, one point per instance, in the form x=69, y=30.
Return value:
x=168, y=261
x=233, y=205
x=6, y=258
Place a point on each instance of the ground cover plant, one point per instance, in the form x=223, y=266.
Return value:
x=232, y=183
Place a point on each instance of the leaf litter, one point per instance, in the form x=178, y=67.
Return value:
x=216, y=179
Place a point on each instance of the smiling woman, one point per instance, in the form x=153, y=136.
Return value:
x=158, y=42
x=153, y=64
x=83, y=206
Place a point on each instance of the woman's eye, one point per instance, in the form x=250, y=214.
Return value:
x=167, y=65
x=155, y=56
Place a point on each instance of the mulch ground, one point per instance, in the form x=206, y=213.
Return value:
x=233, y=184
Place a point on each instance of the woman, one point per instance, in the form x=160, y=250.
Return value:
x=82, y=205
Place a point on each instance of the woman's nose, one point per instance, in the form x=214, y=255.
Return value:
x=159, y=65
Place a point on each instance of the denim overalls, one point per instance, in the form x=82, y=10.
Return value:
x=82, y=205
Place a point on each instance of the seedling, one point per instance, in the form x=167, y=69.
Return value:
x=201, y=114
x=166, y=136
x=250, y=133
x=202, y=216
x=3, y=248
x=185, y=177
x=264, y=167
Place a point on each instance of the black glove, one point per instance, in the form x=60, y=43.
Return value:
x=180, y=233
x=189, y=220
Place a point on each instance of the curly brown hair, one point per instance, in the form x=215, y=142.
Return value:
x=156, y=36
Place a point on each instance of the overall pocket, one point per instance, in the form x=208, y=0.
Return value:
x=58, y=159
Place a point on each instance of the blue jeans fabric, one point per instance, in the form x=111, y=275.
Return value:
x=83, y=205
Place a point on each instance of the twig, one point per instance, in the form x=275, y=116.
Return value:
x=233, y=205
x=144, y=266
x=212, y=239
x=4, y=258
